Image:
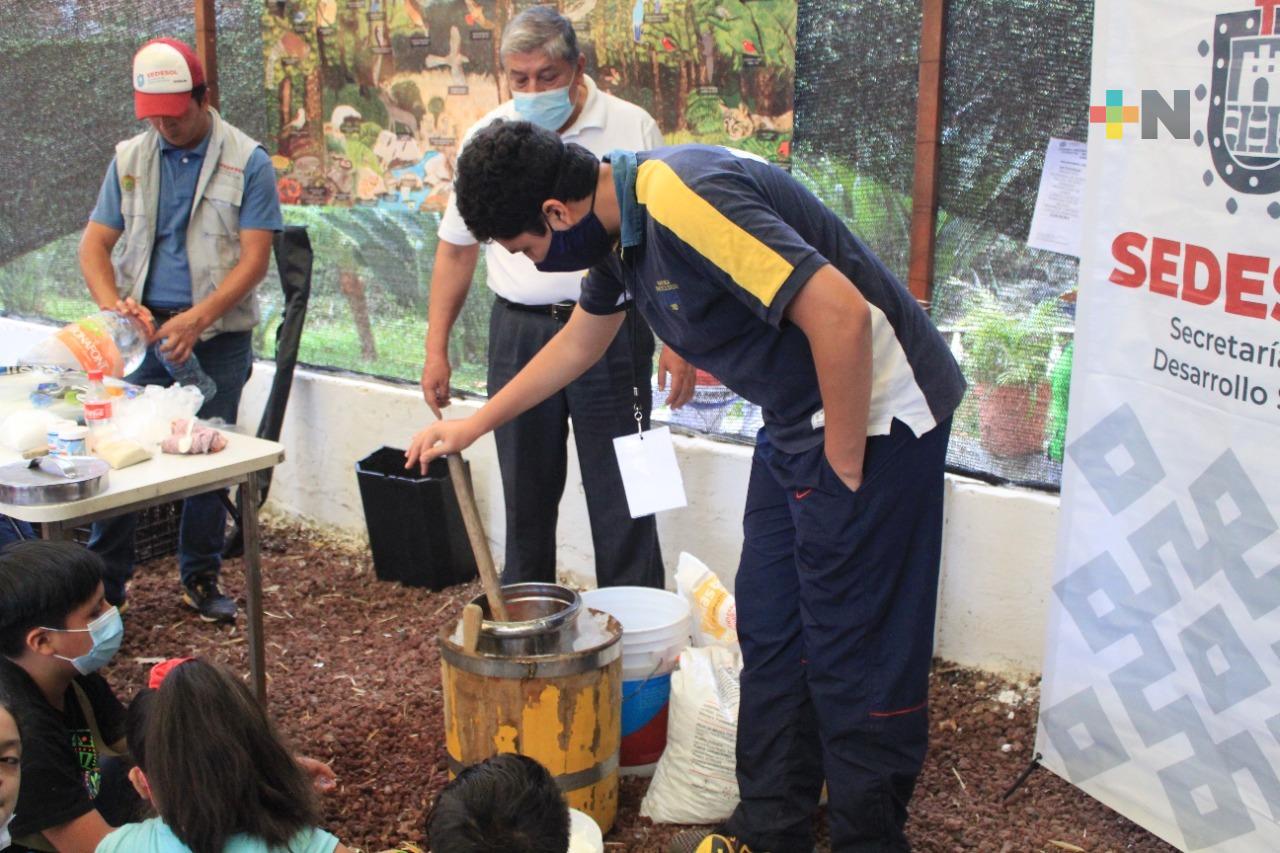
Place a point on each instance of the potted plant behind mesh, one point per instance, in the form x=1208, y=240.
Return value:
x=1006, y=357
x=711, y=401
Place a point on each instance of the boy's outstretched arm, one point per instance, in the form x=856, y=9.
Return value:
x=568, y=355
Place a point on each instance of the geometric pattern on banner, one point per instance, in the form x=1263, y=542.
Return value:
x=1083, y=736
x=1118, y=460
x=1204, y=791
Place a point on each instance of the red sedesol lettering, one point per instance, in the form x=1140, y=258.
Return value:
x=1196, y=274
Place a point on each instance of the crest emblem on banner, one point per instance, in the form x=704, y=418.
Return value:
x=1244, y=112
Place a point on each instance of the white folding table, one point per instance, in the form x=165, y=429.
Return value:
x=167, y=477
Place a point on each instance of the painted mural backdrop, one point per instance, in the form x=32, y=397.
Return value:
x=368, y=99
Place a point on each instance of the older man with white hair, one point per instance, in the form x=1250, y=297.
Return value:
x=546, y=74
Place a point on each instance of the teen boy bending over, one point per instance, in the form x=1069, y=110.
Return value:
x=747, y=275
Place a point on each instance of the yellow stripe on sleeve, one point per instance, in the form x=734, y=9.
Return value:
x=755, y=267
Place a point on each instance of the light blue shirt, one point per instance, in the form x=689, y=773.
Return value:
x=153, y=836
x=168, y=282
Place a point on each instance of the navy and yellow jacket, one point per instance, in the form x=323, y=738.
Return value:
x=715, y=245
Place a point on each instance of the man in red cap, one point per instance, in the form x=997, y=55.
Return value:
x=194, y=201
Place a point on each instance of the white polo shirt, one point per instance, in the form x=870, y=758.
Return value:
x=604, y=124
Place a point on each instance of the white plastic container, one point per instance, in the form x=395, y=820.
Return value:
x=584, y=833
x=655, y=629
x=52, y=435
x=72, y=441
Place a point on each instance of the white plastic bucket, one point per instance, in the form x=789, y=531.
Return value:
x=584, y=833
x=655, y=629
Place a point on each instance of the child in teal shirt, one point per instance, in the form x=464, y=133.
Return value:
x=212, y=765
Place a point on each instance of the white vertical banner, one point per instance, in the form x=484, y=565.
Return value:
x=1161, y=693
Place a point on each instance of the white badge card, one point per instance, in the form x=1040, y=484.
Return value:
x=650, y=474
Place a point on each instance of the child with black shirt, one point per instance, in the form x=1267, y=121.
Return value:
x=10, y=767
x=56, y=632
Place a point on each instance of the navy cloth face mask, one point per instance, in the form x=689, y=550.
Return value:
x=580, y=247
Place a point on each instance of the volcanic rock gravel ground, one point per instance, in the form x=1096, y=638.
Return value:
x=354, y=679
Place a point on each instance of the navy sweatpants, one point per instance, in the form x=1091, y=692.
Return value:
x=836, y=594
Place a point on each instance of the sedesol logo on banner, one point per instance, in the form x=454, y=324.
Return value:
x=1243, y=127
x=1161, y=693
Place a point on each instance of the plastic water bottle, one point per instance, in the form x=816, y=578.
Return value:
x=106, y=341
x=97, y=404
x=188, y=372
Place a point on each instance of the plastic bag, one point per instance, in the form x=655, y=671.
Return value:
x=695, y=780
x=148, y=418
x=189, y=437
x=26, y=429
x=714, y=610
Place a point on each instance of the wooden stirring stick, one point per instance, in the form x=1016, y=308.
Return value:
x=479, y=542
x=472, y=616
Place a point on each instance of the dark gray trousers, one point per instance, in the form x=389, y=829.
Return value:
x=533, y=454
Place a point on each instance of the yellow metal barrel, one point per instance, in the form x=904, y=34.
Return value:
x=563, y=710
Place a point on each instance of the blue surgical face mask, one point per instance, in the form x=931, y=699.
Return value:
x=549, y=109
x=581, y=246
x=107, y=632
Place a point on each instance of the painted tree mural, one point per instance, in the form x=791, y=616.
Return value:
x=370, y=98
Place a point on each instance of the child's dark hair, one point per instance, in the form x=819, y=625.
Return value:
x=214, y=762
x=41, y=582
x=506, y=804
x=509, y=168
x=6, y=705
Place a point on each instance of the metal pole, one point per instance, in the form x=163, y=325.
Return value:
x=253, y=585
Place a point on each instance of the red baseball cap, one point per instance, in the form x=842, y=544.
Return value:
x=164, y=73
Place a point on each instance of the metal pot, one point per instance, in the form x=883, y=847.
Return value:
x=47, y=482
x=542, y=620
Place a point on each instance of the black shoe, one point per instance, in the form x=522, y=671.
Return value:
x=707, y=841
x=202, y=593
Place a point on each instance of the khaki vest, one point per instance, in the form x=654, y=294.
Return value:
x=213, y=231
